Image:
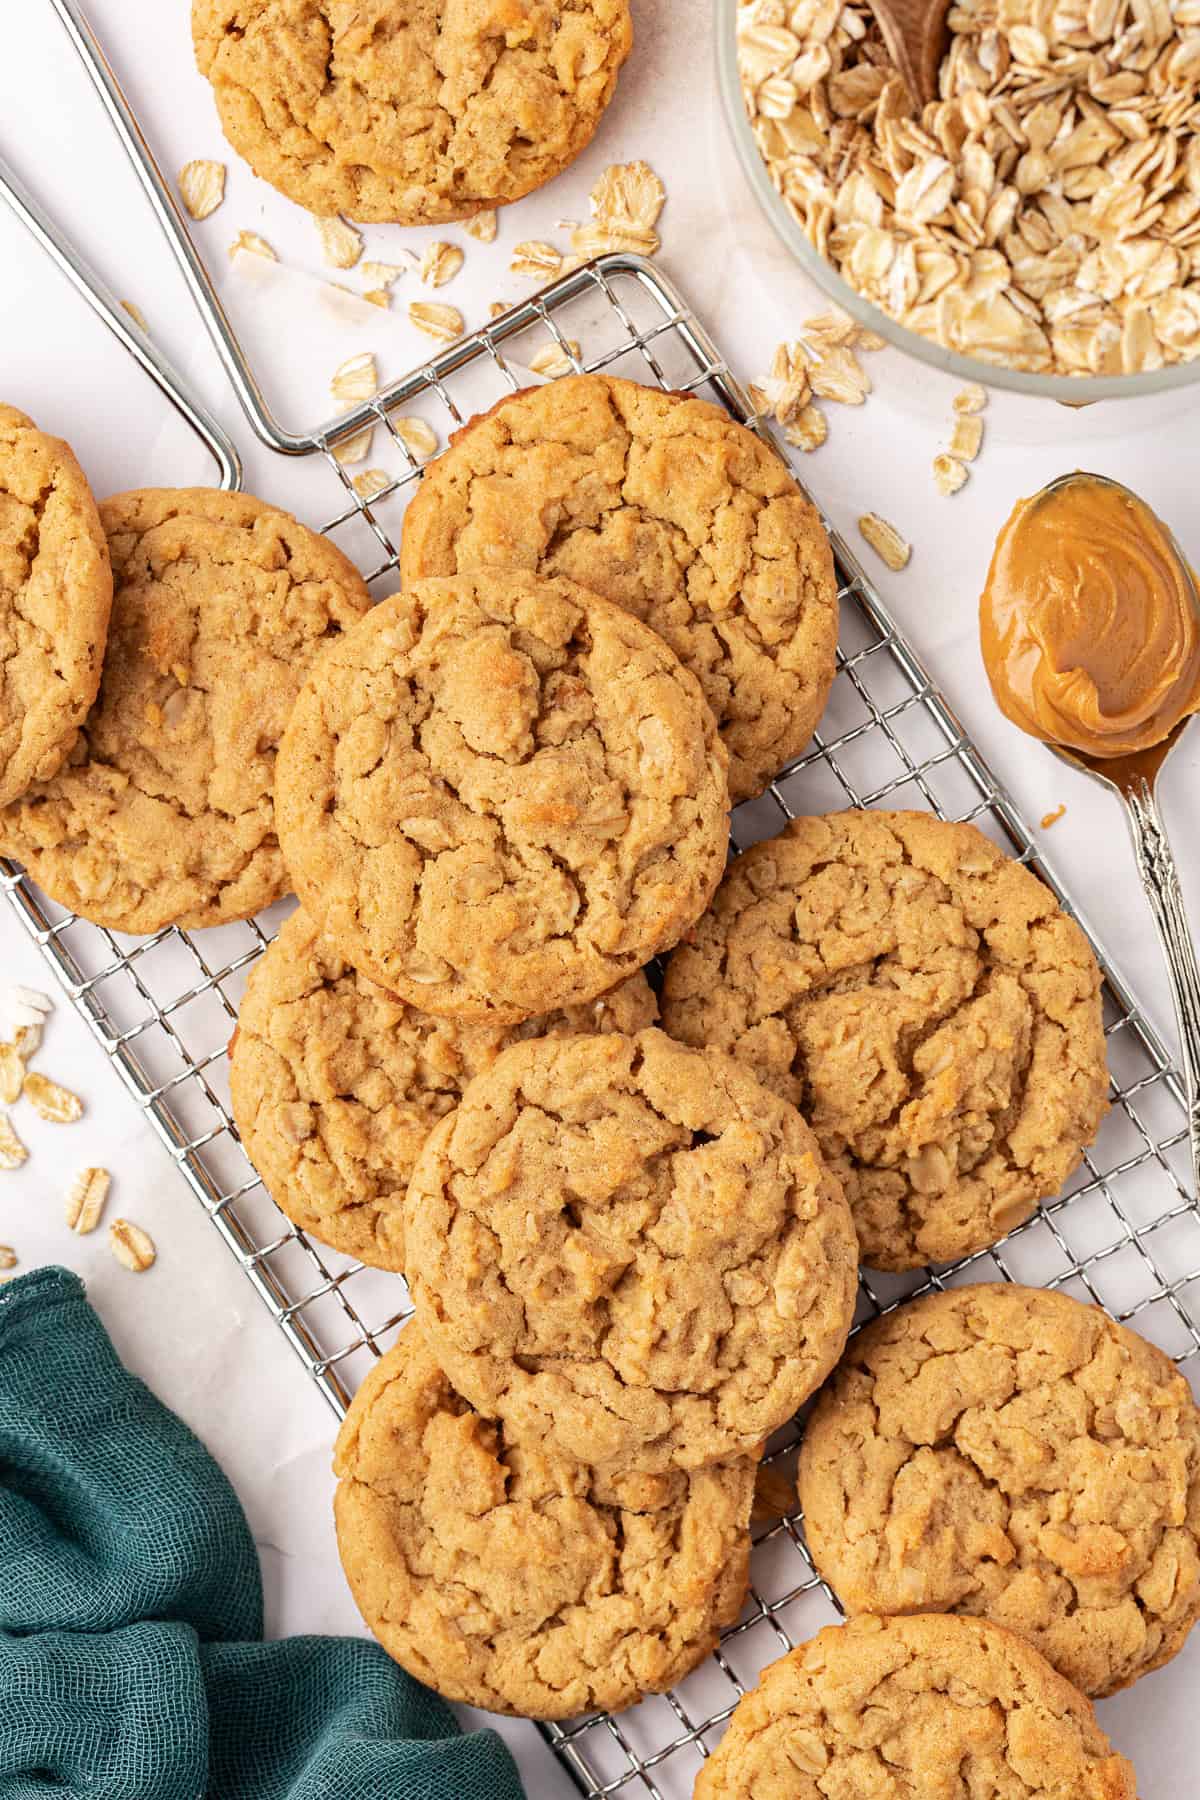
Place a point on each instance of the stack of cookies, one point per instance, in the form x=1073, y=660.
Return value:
x=499, y=795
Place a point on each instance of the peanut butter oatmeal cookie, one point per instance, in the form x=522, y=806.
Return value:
x=629, y=1250
x=926, y=1004
x=163, y=812
x=501, y=795
x=55, y=597
x=509, y=1578
x=337, y=1084
x=1009, y=1452
x=667, y=506
x=415, y=111
x=930, y=1708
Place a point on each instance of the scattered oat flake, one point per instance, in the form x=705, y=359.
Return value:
x=603, y=239
x=25, y=1006
x=809, y=429
x=533, y=257
x=482, y=226
x=378, y=297
x=370, y=483
x=381, y=274
x=355, y=379
x=948, y=474
x=341, y=245
x=553, y=360
x=202, y=187
x=12, y=1150
x=355, y=449
x=440, y=264
x=416, y=436
x=445, y=323
x=869, y=340
x=885, y=540
x=255, y=245
x=1052, y=818
x=966, y=437
x=132, y=1247
x=136, y=314
x=12, y=1073
x=8, y=1257
x=971, y=399
x=49, y=1101
x=628, y=196
x=497, y=309
x=840, y=376
x=85, y=1200
x=760, y=400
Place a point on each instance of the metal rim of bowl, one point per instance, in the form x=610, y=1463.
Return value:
x=1071, y=390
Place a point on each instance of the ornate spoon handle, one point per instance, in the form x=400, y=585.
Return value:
x=1160, y=878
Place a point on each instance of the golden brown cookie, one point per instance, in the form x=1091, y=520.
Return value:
x=929, y=1708
x=667, y=506
x=55, y=597
x=337, y=1083
x=629, y=1250
x=163, y=813
x=927, y=1005
x=410, y=110
x=501, y=795
x=508, y=1578
x=1009, y=1452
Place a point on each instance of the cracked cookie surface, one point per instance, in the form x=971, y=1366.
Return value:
x=337, y=1083
x=1012, y=1453
x=667, y=506
x=413, y=111
x=630, y=1250
x=928, y=1006
x=929, y=1708
x=163, y=813
x=55, y=598
x=500, y=795
x=507, y=1578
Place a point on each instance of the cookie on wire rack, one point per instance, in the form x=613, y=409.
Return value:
x=500, y=795
x=666, y=505
x=630, y=1251
x=164, y=812
x=412, y=111
x=926, y=1003
x=1011, y=1453
x=914, y=1709
x=55, y=599
x=510, y=1578
x=336, y=1083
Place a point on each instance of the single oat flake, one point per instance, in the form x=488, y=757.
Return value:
x=534, y=258
x=482, y=226
x=136, y=314
x=355, y=449
x=356, y=379
x=8, y=1257
x=341, y=245
x=970, y=399
x=553, y=360
x=202, y=187
x=885, y=540
x=132, y=1247
x=26, y=1006
x=12, y=1073
x=967, y=436
x=808, y=430
x=370, y=483
x=440, y=264
x=58, y=1105
x=85, y=1200
x=949, y=475
x=12, y=1151
x=254, y=245
x=445, y=323
x=628, y=198
x=416, y=436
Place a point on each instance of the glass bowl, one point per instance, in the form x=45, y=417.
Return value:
x=1071, y=390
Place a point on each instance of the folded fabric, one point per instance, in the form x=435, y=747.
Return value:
x=131, y=1660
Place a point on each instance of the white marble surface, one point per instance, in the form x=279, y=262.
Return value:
x=193, y=1327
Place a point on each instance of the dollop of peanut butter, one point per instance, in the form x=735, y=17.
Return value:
x=1089, y=622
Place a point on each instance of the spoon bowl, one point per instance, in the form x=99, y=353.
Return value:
x=915, y=33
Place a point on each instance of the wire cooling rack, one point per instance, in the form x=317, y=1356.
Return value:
x=1125, y=1234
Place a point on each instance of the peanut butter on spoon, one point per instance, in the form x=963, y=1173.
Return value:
x=1090, y=621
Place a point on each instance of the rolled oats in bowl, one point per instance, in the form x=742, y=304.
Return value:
x=1043, y=214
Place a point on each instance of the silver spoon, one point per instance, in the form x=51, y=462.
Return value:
x=1132, y=778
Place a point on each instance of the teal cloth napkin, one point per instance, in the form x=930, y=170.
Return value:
x=131, y=1660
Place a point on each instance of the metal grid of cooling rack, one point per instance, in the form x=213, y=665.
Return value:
x=1126, y=1234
